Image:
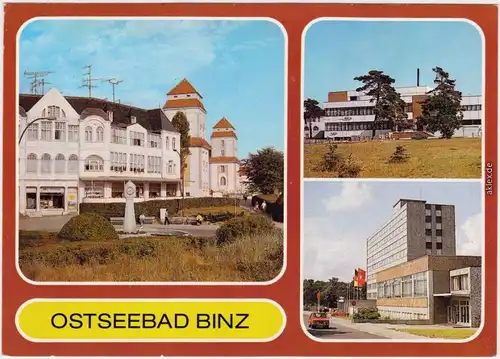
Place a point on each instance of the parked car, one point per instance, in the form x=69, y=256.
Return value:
x=319, y=320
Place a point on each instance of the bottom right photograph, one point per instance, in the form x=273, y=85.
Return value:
x=392, y=260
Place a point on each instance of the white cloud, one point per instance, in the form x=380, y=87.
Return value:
x=470, y=237
x=330, y=250
x=353, y=195
x=147, y=54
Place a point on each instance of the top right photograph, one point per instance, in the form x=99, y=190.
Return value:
x=393, y=99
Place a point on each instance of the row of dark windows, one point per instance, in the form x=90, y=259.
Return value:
x=437, y=207
x=368, y=110
x=428, y=219
x=428, y=232
x=428, y=245
x=353, y=126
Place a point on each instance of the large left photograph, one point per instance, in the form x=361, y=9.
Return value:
x=151, y=150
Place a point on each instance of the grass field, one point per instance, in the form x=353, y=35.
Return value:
x=43, y=257
x=434, y=158
x=441, y=333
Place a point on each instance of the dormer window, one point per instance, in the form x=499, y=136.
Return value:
x=133, y=119
x=110, y=116
x=188, y=95
x=53, y=111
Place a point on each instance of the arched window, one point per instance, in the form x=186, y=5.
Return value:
x=223, y=181
x=46, y=163
x=94, y=164
x=100, y=134
x=73, y=164
x=306, y=128
x=315, y=128
x=167, y=143
x=53, y=111
x=88, y=134
x=60, y=163
x=173, y=143
x=32, y=164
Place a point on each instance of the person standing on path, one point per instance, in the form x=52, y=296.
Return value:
x=167, y=221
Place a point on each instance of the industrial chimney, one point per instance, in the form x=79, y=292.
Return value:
x=418, y=77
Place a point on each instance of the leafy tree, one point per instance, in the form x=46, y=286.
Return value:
x=265, y=171
x=442, y=110
x=312, y=111
x=330, y=290
x=181, y=124
x=389, y=106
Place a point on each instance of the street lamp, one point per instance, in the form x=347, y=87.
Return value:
x=32, y=122
x=182, y=180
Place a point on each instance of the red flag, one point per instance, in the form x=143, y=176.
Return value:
x=318, y=295
x=355, y=278
x=361, y=277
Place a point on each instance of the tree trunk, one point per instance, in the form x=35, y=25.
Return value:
x=310, y=130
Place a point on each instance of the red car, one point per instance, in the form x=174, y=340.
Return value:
x=319, y=321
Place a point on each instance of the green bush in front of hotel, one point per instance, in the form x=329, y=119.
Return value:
x=89, y=227
x=152, y=207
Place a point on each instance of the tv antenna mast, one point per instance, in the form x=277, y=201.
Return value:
x=88, y=80
x=37, y=80
x=114, y=82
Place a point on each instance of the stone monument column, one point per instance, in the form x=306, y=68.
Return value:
x=129, y=224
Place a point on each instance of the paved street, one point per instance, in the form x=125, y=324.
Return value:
x=340, y=332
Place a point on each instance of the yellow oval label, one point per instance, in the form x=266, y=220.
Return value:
x=77, y=320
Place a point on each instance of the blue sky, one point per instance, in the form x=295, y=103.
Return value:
x=237, y=66
x=340, y=216
x=338, y=51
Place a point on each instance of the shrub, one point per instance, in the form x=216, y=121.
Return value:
x=88, y=226
x=348, y=168
x=151, y=208
x=400, y=155
x=276, y=209
x=248, y=226
x=332, y=160
x=367, y=314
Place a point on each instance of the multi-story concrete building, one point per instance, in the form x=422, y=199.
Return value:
x=349, y=115
x=415, y=229
x=83, y=149
x=433, y=290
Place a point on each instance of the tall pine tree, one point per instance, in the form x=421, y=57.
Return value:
x=181, y=124
x=442, y=110
x=389, y=107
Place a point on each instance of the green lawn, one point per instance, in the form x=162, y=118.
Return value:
x=432, y=158
x=442, y=333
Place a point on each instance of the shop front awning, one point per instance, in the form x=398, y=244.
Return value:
x=130, y=178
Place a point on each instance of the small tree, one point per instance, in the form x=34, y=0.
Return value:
x=400, y=155
x=332, y=159
x=181, y=124
x=388, y=103
x=265, y=171
x=349, y=168
x=312, y=111
x=442, y=110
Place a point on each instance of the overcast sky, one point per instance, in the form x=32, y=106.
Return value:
x=339, y=216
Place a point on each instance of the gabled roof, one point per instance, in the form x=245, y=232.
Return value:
x=184, y=103
x=199, y=142
x=223, y=134
x=224, y=159
x=152, y=120
x=223, y=123
x=183, y=88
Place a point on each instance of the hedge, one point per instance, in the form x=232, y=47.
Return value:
x=151, y=208
x=88, y=226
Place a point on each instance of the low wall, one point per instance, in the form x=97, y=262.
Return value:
x=393, y=321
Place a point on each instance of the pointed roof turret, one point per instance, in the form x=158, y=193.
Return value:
x=223, y=123
x=183, y=88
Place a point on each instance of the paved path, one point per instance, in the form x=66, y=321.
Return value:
x=340, y=331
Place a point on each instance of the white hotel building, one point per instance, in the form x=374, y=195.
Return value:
x=85, y=149
x=349, y=115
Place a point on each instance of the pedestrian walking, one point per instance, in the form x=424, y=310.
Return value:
x=142, y=217
x=167, y=221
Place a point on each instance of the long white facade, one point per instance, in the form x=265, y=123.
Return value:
x=349, y=115
x=85, y=149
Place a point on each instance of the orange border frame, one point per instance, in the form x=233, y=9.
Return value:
x=293, y=341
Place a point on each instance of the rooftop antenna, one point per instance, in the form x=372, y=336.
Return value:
x=43, y=83
x=36, y=80
x=113, y=83
x=87, y=82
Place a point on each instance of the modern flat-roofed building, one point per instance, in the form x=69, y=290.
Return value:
x=432, y=289
x=415, y=229
x=349, y=115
